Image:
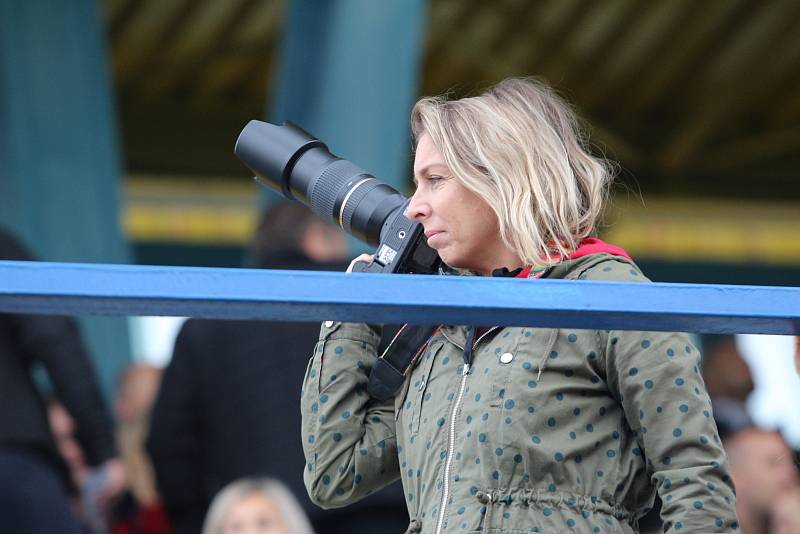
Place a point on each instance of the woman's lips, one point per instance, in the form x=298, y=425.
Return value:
x=433, y=236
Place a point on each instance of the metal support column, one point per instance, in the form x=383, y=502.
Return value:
x=59, y=163
x=348, y=74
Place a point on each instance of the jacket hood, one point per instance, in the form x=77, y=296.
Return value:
x=591, y=252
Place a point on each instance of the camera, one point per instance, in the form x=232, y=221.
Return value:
x=289, y=160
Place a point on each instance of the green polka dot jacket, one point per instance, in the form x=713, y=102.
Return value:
x=550, y=430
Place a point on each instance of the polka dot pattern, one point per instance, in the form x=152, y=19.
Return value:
x=605, y=402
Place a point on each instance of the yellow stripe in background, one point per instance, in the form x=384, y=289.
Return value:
x=217, y=210
x=679, y=229
x=210, y=211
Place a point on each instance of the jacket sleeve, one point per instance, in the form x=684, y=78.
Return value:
x=348, y=437
x=56, y=342
x=656, y=377
x=175, y=439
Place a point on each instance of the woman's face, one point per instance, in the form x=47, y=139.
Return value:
x=458, y=224
x=254, y=514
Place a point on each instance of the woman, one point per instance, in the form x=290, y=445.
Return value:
x=256, y=506
x=518, y=429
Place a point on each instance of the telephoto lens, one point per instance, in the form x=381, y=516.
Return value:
x=290, y=160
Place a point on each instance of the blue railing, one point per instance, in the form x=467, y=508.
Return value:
x=91, y=289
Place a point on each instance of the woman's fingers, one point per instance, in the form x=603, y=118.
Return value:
x=366, y=258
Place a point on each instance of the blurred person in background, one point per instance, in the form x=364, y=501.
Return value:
x=764, y=473
x=63, y=428
x=35, y=483
x=797, y=354
x=256, y=506
x=729, y=383
x=140, y=511
x=785, y=514
x=228, y=406
x=88, y=482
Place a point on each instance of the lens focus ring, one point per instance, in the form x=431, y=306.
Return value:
x=349, y=207
x=332, y=185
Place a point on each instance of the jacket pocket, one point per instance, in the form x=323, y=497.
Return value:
x=517, y=396
x=408, y=410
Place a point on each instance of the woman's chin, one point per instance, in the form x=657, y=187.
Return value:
x=456, y=262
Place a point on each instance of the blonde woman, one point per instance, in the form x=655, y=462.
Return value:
x=256, y=506
x=518, y=429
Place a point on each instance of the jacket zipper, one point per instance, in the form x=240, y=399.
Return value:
x=452, y=430
x=450, y=446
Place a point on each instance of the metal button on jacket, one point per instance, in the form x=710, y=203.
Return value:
x=506, y=358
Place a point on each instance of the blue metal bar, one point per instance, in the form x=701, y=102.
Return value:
x=34, y=287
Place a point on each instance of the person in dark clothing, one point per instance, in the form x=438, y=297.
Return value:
x=228, y=406
x=34, y=480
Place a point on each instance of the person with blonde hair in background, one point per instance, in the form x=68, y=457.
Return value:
x=256, y=506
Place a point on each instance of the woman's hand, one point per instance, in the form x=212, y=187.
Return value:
x=366, y=258
x=114, y=483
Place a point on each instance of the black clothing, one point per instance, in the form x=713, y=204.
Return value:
x=55, y=342
x=228, y=408
x=33, y=476
x=32, y=496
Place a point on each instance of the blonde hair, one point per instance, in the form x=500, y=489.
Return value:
x=518, y=147
x=293, y=515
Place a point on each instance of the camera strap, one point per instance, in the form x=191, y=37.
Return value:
x=393, y=366
x=391, y=369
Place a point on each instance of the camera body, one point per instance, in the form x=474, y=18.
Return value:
x=402, y=249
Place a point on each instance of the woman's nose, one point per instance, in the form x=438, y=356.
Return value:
x=417, y=209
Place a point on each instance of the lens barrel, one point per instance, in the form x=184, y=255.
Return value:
x=291, y=161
